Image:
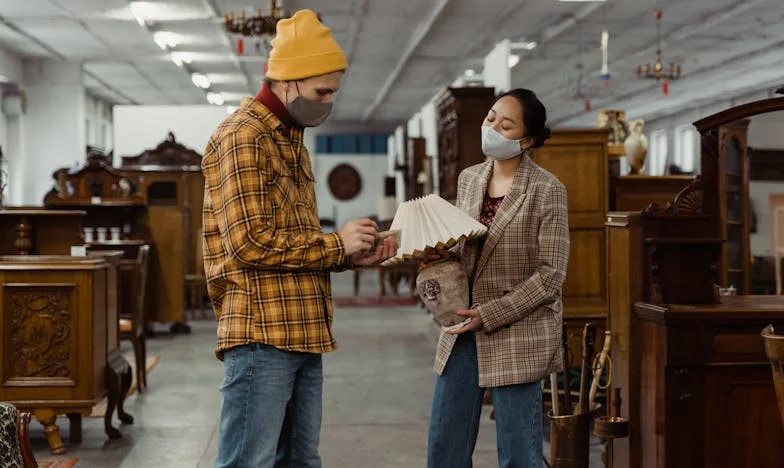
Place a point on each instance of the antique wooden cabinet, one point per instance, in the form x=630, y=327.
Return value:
x=706, y=388
x=636, y=192
x=36, y=231
x=579, y=159
x=171, y=183
x=60, y=349
x=460, y=113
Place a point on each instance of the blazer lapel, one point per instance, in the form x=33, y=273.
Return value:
x=506, y=211
x=474, y=205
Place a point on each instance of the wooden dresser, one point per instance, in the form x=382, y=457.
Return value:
x=460, y=113
x=60, y=348
x=705, y=384
x=636, y=192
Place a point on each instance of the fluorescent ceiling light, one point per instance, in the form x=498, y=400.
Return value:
x=165, y=39
x=215, y=98
x=524, y=45
x=181, y=57
x=4, y=79
x=230, y=109
x=470, y=72
x=512, y=60
x=200, y=80
x=141, y=11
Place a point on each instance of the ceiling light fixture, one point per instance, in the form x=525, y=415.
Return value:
x=524, y=45
x=181, y=57
x=657, y=71
x=141, y=11
x=200, y=80
x=165, y=39
x=512, y=60
x=215, y=98
x=258, y=26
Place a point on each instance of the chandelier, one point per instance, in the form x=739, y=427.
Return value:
x=658, y=71
x=258, y=26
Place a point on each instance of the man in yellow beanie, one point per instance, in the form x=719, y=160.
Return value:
x=266, y=259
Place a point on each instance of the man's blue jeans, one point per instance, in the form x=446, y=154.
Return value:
x=457, y=407
x=262, y=387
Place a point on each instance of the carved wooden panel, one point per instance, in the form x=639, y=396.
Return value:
x=41, y=321
x=167, y=153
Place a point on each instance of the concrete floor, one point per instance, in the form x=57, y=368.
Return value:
x=377, y=394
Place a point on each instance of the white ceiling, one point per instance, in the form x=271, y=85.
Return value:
x=402, y=52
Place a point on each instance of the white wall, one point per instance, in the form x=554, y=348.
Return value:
x=137, y=128
x=371, y=168
x=99, y=125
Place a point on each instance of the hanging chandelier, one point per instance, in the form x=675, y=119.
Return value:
x=259, y=27
x=658, y=71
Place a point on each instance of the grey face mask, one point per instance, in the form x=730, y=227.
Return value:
x=308, y=113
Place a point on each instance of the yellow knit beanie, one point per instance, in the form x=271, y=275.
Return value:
x=303, y=48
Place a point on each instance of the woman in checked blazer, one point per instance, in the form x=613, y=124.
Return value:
x=513, y=338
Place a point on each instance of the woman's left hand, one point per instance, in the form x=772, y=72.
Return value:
x=474, y=325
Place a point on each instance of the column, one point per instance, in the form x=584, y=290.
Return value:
x=497, y=72
x=54, y=124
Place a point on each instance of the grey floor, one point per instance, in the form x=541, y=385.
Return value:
x=377, y=392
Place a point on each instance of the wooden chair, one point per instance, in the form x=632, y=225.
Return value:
x=15, y=438
x=132, y=326
x=196, y=283
x=774, y=347
x=778, y=245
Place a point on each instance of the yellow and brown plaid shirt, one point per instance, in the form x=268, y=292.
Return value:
x=266, y=260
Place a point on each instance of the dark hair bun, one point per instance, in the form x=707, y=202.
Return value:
x=546, y=134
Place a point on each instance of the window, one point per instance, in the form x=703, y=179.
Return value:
x=657, y=153
x=686, y=147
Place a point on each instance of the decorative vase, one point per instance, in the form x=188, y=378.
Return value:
x=615, y=121
x=443, y=287
x=636, y=146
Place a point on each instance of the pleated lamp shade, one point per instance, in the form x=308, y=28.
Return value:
x=431, y=222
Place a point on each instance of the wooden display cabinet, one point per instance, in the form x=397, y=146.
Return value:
x=461, y=112
x=171, y=184
x=734, y=204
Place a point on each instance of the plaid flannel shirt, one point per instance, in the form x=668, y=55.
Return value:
x=266, y=260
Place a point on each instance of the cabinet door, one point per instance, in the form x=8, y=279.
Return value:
x=742, y=422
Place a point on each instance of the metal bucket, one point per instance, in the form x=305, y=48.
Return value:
x=570, y=439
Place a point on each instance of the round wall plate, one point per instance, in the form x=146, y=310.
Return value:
x=344, y=181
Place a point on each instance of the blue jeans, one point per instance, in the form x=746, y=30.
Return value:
x=457, y=407
x=271, y=411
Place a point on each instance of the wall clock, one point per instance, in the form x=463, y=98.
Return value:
x=344, y=181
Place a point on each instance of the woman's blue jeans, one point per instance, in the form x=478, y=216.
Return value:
x=457, y=407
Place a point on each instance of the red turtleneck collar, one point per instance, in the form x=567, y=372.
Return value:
x=271, y=102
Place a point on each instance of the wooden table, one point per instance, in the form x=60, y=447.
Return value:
x=704, y=385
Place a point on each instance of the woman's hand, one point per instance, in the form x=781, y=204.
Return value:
x=434, y=255
x=475, y=324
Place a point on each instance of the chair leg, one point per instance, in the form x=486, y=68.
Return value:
x=143, y=367
x=137, y=354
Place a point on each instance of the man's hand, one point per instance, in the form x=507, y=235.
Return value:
x=433, y=255
x=386, y=250
x=358, y=236
x=474, y=325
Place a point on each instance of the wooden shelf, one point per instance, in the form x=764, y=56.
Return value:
x=106, y=203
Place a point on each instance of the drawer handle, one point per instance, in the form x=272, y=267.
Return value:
x=684, y=396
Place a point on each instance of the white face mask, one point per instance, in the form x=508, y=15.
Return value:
x=497, y=146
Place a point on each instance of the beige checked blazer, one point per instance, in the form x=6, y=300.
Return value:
x=516, y=281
